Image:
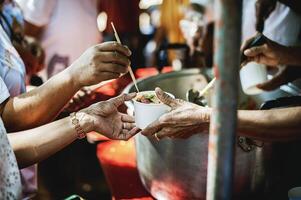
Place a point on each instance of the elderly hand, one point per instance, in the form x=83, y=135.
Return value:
x=184, y=119
x=106, y=119
x=101, y=62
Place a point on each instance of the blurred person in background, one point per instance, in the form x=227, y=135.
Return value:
x=275, y=16
x=279, y=21
x=168, y=31
x=197, y=29
x=59, y=25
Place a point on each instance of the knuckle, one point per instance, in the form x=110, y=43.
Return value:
x=266, y=46
x=94, y=49
x=94, y=59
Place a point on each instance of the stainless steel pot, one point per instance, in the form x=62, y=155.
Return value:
x=175, y=168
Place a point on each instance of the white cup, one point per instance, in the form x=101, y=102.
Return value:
x=145, y=114
x=294, y=193
x=251, y=75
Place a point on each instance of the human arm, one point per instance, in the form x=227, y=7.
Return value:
x=186, y=119
x=41, y=105
x=272, y=54
x=34, y=145
x=271, y=125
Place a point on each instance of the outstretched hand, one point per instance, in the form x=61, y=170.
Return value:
x=184, y=119
x=108, y=121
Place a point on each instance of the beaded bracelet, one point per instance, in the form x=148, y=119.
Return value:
x=75, y=122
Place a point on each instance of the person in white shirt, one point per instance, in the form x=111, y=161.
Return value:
x=282, y=25
x=66, y=29
x=280, y=22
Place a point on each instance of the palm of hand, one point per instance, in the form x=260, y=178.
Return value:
x=107, y=119
x=111, y=125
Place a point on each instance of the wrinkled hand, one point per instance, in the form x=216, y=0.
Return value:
x=284, y=75
x=263, y=10
x=109, y=122
x=101, y=62
x=270, y=53
x=184, y=119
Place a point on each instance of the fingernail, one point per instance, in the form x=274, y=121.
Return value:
x=246, y=52
x=158, y=90
x=129, y=51
x=133, y=94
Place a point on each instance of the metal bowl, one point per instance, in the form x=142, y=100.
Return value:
x=177, y=168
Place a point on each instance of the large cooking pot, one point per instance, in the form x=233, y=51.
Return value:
x=177, y=168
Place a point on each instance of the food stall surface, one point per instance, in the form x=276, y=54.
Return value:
x=118, y=160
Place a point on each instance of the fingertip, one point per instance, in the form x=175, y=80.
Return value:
x=158, y=91
x=134, y=131
x=137, y=130
x=130, y=96
x=246, y=52
x=260, y=86
x=144, y=132
x=129, y=52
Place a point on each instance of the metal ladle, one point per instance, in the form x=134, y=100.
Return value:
x=197, y=97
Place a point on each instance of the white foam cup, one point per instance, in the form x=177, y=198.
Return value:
x=251, y=75
x=294, y=193
x=145, y=114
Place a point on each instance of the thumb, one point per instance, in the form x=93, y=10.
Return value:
x=278, y=80
x=165, y=98
x=119, y=100
x=255, y=51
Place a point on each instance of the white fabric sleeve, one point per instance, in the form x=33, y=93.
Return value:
x=37, y=12
x=4, y=94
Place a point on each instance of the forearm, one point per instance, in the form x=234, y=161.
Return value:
x=40, y=105
x=271, y=125
x=35, y=145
